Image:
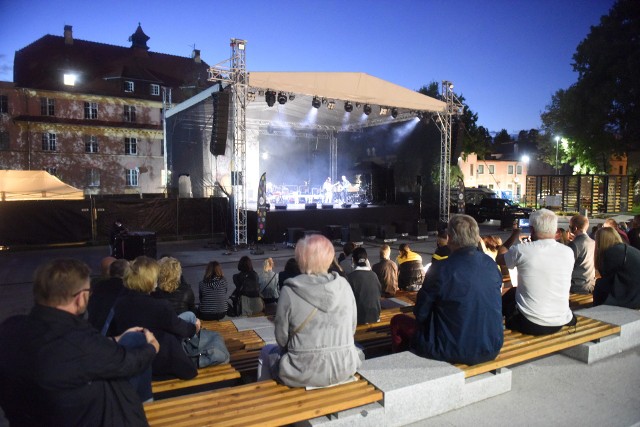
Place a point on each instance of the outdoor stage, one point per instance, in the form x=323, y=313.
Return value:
x=372, y=220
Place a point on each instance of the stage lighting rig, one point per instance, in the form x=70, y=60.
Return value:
x=291, y=97
x=348, y=107
x=394, y=112
x=384, y=111
x=366, y=109
x=282, y=98
x=251, y=96
x=270, y=98
x=315, y=103
x=331, y=105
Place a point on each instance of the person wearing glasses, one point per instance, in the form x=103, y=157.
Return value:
x=56, y=369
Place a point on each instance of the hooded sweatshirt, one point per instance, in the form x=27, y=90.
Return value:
x=322, y=352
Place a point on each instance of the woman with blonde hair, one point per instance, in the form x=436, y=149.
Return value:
x=173, y=288
x=268, y=280
x=314, y=325
x=618, y=265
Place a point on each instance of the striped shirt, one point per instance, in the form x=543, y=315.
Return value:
x=213, y=295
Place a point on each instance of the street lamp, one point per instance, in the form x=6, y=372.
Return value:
x=557, y=141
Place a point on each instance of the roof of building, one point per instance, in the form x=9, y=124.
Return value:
x=101, y=69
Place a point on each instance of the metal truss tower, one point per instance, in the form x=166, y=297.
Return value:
x=333, y=156
x=444, y=122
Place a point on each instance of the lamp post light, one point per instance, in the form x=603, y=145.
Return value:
x=557, y=141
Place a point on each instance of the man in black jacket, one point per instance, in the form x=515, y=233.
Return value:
x=56, y=369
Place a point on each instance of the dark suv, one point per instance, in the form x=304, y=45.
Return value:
x=501, y=209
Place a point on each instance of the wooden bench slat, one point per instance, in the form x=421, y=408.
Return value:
x=208, y=375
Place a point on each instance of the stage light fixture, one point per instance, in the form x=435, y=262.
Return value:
x=384, y=111
x=348, y=107
x=331, y=105
x=394, y=112
x=357, y=105
x=251, y=96
x=291, y=97
x=315, y=103
x=270, y=98
x=366, y=109
x=282, y=98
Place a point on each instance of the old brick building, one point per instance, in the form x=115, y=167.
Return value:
x=91, y=113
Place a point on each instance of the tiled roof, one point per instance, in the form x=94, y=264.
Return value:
x=102, y=68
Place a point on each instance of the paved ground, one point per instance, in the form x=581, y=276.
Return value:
x=552, y=391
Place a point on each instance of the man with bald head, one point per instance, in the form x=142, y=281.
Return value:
x=583, y=277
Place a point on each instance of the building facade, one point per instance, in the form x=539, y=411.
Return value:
x=506, y=177
x=92, y=113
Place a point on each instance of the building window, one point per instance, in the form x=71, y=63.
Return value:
x=93, y=177
x=48, y=141
x=91, y=144
x=519, y=169
x=491, y=169
x=51, y=170
x=129, y=113
x=47, y=106
x=155, y=89
x=4, y=141
x=132, y=177
x=4, y=104
x=490, y=186
x=620, y=170
x=480, y=169
x=131, y=146
x=129, y=86
x=90, y=110
x=510, y=169
x=471, y=169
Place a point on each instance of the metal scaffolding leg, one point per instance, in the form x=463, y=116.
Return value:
x=238, y=167
x=333, y=153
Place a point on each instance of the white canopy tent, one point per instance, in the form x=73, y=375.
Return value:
x=35, y=185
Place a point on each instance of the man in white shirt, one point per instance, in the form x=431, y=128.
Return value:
x=539, y=305
x=327, y=188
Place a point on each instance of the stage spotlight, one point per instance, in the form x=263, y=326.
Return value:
x=348, y=107
x=331, y=105
x=282, y=98
x=358, y=105
x=270, y=97
x=251, y=96
x=291, y=97
x=315, y=103
x=366, y=109
x=384, y=111
x=394, y=112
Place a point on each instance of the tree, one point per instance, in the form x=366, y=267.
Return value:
x=502, y=137
x=599, y=115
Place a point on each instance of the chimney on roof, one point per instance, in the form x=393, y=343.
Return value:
x=196, y=56
x=68, y=34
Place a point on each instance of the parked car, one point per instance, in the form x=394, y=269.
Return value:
x=503, y=210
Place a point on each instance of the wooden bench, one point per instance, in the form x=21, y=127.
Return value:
x=218, y=374
x=577, y=301
x=265, y=403
x=519, y=347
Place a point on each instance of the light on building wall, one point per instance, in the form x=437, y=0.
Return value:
x=525, y=159
x=69, y=79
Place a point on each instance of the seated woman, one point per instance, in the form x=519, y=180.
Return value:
x=173, y=288
x=619, y=265
x=291, y=269
x=314, y=324
x=213, y=293
x=136, y=307
x=247, y=292
x=410, y=269
x=268, y=280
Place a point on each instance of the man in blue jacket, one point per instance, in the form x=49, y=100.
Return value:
x=459, y=307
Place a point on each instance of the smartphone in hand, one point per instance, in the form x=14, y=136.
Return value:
x=523, y=225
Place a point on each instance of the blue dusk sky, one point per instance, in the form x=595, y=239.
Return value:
x=506, y=57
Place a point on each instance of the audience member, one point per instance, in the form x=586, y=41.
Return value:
x=442, y=246
x=268, y=280
x=634, y=232
x=105, y=263
x=173, y=287
x=117, y=231
x=105, y=292
x=387, y=272
x=410, y=269
x=314, y=324
x=458, y=317
x=366, y=288
x=336, y=267
x=137, y=307
x=539, y=305
x=583, y=277
x=57, y=370
x=619, y=268
x=247, y=292
x=345, y=260
x=610, y=222
x=594, y=230
x=290, y=270
x=562, y=236
x=213, y=293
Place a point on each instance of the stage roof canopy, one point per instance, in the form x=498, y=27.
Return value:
x=35, y=185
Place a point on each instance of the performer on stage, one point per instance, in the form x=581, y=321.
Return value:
x=345, y=189
x=327, y=188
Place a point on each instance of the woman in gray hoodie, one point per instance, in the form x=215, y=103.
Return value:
x=314, y=325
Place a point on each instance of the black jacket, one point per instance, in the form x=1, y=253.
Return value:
x=182, y=299
x=56, y=369
x=103, y=296
x=247, y=284
x=157, y=315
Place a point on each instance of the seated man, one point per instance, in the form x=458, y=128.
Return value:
x=366, y=288
x=458, y=312
x=539, y=305
x=56, y=369
x=105, y=292
x=387, y=272
x=583, y=277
